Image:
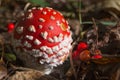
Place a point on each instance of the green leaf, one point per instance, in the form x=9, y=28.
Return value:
x=39, y=2
x=10, y=57
x=106, y=23
x=87, y=22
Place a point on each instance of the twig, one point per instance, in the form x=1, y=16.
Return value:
x=79, y=11
x=114, y=15
x=0, y=2
x=80, y=22
x=26, y=6
x=72, y=66
x=96, y=30
x=2, y=55
x=20, y=68
x=80, y=16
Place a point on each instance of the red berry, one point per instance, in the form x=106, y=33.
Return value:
x=75, y=55
x=10, y=27
x=98, y=56
x=85, y=55
x=81, y=46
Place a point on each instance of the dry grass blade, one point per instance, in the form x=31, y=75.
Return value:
x=2, y=45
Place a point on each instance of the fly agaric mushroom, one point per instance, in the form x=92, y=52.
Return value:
x=43, y=35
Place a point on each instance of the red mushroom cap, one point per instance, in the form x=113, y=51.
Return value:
x=45, y=34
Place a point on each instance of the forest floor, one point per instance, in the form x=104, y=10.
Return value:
x=96, y=23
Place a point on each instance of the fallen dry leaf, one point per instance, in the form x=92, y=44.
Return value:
x=3, y=70
x=111, y=5
x=26, y=75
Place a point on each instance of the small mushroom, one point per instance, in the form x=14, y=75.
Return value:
x=44, y=34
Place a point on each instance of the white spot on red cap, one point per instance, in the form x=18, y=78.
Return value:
x=45, y=55
x=29, y=37
x=35, y=51
x=55, y=39
x=55, y=60
x=19, y=30
x=43, y=48
x=49, y=50
x=67, y=22
x=55, y=49
x=54, y=13
x=49, y=10
x=60, y=37
x=52, y=17
x=40, y=8
x=60, y=53
x=29, y=10
x=37, y=42
x=41, y=20
x=48, y=7
x=44, y=34
x=44, y=12
x=31, y=28
x=68, y=29
x=27, y=44
x=50, y=40
x=40, y=26
x=46, y=49
x=64, y=42
x=60, y=13
x=58, y=23
x=51, y=27
x=34, y=8
x=30, y=15
x=63, y=20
